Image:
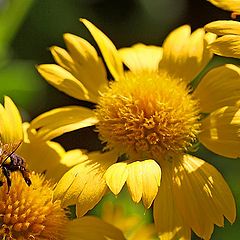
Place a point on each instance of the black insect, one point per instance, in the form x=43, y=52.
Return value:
x=13, y=163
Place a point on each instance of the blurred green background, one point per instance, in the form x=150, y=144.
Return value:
x=29, y=27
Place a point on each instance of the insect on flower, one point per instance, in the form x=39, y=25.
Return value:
x=12, y=163
x=11, y=137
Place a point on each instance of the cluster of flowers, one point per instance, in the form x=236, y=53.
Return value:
x=149, y=115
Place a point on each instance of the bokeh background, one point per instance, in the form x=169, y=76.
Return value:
x=29, y=27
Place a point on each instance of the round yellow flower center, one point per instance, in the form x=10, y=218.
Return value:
x=148, y=113
x=29, y=212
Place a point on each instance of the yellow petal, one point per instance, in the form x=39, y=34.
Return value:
x=92, y=228
x=227, y=45
x=141, y=57
x=143, y=181
x=220, y=131
x=84, y=184
x=62, y=57
x=64, y=81
x=68, y=119
x=202, y=196
x=151, y=181
x=219, y=87
x=229, y=5
x=223, y=27
x=185, y=54
x=47, y=156
x=168, y=221
x=11, y=134
x=116, y=176
x=134, y=181
x=107, y=48
x=88, y=67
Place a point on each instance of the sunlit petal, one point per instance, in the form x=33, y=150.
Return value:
x=84, y=184
x=107, y=48
x=220, y=131
x=141, y=57
x=68, y=119
x=219, y=87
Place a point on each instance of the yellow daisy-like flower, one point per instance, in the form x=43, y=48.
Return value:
x=229, y=5
x=228, y=42
x=31, y=213
x=150, y=118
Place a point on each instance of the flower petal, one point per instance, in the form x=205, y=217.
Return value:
x=223, y=27
x=227, y=45
x=151, y=181
x=64, y=81
x=229, y=5
x=219, y=87
x=11, y=134
x=116, y=176
x=168, y=221
x=92, y=228
x=88, y=68
x=11, y=122
x=107, y=48
x=47, y=156
x=202, y=196
x=141, y=57
x=84, y=184
x=68, y=119
x=220, y=131
x=143, y=181
x=186, y=54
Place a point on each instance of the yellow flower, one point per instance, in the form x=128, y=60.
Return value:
x=41, y=154
x=150, y=118
x=31, y=213
x=229, y=5
x=132, y=225
x=46, y=156
x=228, y=42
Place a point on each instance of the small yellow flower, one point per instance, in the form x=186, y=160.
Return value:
x=228, y=42
x=131, y=225
x=150, y=118
x=229, y=5
x=30, y=213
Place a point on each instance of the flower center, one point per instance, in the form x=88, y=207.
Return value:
x=29, y=212
x=146, y=114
